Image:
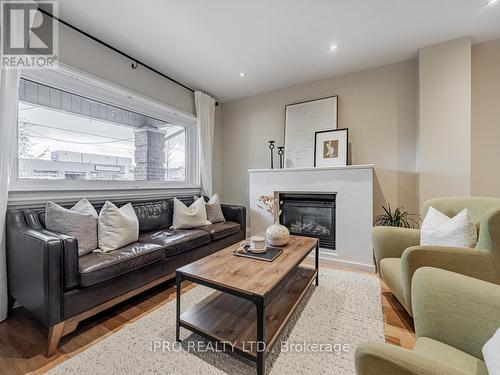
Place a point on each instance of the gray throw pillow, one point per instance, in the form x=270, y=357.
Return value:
x=214, y=210
x=80, y=222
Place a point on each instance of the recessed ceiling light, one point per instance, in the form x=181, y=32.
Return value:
x=492, y=2
x=333, y=47
x=243, y=74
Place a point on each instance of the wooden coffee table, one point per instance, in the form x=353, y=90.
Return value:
x=253, y=300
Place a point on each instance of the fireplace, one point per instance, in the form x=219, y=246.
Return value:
x=311, y=215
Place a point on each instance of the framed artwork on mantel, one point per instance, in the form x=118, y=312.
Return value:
x=302, y=121
x=331, y=148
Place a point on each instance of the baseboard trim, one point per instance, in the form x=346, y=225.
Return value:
x=332, y=261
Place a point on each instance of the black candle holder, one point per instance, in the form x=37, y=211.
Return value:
x=271, y=148
x=281, y=151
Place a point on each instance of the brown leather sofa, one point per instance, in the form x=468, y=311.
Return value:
x=48, y=278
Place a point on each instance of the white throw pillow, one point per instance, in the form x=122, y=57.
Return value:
x=190, y=217
x=438, y=229
x=118, y=227
x=80, y=222
x=491, y=354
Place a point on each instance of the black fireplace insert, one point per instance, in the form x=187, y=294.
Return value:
x=311, y=215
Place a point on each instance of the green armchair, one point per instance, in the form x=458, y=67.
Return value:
x=454, y=317
x=398, y=254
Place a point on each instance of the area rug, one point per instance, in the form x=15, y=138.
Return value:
x=320, y=338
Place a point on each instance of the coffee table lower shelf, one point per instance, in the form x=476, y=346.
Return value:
x=227, y=318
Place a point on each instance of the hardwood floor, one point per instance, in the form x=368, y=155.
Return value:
x=398, y=324
x=23, y=340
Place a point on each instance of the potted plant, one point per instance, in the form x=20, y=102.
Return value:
x=397, y=218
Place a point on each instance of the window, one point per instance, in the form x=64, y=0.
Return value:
x=65, y=136
x=86, y=147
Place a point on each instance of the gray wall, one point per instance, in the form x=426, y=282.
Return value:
x=379, y=106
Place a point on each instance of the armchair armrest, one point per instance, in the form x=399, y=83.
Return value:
x=469, y=262
x=489, y=232
x=235, y=213
x=387, y=359
x=454, y=309
x=390, y=242
x=35, y=269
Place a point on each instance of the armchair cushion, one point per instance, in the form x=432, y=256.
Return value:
x=447, y=354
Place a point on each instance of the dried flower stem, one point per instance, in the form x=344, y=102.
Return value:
x=270, y=205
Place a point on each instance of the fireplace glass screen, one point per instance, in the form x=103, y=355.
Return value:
x=311, y=215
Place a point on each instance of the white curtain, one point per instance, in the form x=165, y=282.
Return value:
x=9, y=82
x=205, y=113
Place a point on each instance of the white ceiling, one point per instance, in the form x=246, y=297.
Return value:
x=207, y=43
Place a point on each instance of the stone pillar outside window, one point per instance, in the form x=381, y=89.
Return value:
x=149, y=154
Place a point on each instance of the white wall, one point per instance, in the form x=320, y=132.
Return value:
x=84, y=54
x=379, y=106
x=444, y=151
x=486, y=118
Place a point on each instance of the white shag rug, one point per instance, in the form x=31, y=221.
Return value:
x=342, y=312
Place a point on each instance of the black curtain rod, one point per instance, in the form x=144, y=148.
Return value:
x=136, y=61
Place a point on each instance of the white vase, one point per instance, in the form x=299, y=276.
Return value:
x=277, y=235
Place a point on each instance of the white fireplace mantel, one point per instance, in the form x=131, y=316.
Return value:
x=314, y=169
x=353, y=186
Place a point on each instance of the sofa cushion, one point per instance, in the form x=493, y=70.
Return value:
x=153, y=215
x=390, y=271
x=176, y=241
x=463, y=362
x=97, y=267
x=221, y=230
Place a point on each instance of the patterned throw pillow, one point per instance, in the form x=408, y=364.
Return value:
x=80, y=222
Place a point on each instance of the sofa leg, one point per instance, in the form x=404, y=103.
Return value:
x=55, y=333
x=10, y=304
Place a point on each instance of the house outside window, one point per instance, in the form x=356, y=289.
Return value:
x=66, y=137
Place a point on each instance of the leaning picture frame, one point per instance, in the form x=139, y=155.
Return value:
x=302, y=120
x=331, y=148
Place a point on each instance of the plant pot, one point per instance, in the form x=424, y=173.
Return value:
x=277, y=235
